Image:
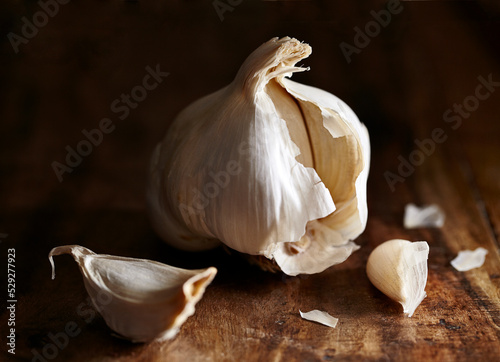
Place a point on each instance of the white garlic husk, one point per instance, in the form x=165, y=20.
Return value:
x=398, y=268
x=321, y=317
x=141, y=300
x=469, y=259
x=424, y=216
x=266, y=166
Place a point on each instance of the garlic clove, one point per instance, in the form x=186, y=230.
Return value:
x=288, y=109
x=398, y=268
x=141, y=300
x=266, y=166
x=338, y=132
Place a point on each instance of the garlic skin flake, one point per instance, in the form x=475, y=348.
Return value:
x=425, y=216
x=141, y=300
x=266, y=166
x=398, y=268
x=469, y=259
x=320, y=317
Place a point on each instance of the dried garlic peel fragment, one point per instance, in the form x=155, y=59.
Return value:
x=141, y=300
x=398, y=268
x=320, y=317
x=266, y=166
x=425, y=216
x=468, y=259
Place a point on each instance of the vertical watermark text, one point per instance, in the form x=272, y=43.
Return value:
x=11, y=300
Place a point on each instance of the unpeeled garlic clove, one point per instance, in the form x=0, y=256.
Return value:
x=267, y=166
x=398, y=268
x=141, y=300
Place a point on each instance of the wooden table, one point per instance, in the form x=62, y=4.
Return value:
x=429, y=57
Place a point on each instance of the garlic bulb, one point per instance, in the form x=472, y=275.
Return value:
x=398, y=268
x=266, y=166
x=139, y=299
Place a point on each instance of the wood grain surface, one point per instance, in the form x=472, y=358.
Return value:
x=430, y=58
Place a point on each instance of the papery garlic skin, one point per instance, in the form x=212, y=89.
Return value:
x=425, y=216
x=320, y=317
x=141, y=300
x=469, y=259
x=398, y=268
x=266, y=166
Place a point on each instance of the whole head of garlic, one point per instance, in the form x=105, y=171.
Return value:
x=398, y=268
x=266, y=166
x=141, y=300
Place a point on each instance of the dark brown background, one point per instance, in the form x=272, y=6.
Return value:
x=64, y=80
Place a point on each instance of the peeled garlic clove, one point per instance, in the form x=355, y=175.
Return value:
x=398, y=268
x=266, y=166
x=141, y=300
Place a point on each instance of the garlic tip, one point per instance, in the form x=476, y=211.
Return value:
x=51, y=260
